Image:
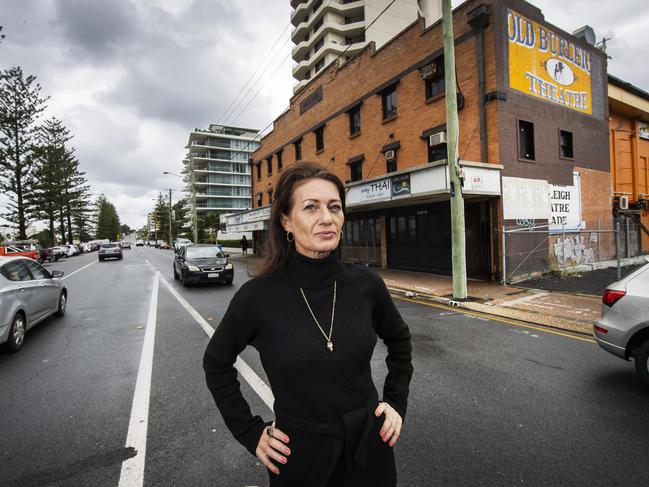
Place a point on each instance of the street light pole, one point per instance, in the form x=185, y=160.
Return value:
x=171, y=237
x=195, y=214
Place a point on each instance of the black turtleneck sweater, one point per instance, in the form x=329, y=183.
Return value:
x=308, y=381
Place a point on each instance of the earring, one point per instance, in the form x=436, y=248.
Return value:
x=341, y=235
x=289, y=237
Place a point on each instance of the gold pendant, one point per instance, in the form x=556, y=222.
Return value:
x=330, y=345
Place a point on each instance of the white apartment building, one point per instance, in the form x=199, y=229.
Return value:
x=327, y=30
x=217, y=171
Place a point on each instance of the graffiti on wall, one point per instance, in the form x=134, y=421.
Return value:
x=575, y=249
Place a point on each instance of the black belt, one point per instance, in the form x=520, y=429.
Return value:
x=350, y=434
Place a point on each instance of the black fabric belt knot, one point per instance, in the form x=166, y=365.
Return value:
x=350, y=434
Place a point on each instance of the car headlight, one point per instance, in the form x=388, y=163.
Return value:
x=193, y=268
x=228, y=266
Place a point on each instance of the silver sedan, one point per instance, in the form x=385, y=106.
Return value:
x=623, y=329
x=29, y=293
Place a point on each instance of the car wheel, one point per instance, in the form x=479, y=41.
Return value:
x=183, y=281
x=229, y=282
x=175, y=274
x=63, y=302
x=16, y=337
x=641, y=357
x=100, y=259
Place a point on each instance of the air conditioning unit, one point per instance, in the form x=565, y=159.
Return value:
x=429, y=71
x=437, y=139
x=390, y=155
x=623, y=202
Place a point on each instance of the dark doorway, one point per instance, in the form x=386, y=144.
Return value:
x=419, y=238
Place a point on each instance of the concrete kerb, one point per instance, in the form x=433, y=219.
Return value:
x=529, y=317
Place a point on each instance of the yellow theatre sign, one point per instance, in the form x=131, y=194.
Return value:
x=546, y=65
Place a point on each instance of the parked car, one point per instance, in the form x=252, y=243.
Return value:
x=29, y=293
x=623, y=329
x=60, y=251
x=126, y=245
x=164, y=245
x=11, y=250
x=139, y=243
x=110, y=251
x=202, y=263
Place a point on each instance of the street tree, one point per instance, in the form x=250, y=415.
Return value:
x=20, y=106
x=107, y=219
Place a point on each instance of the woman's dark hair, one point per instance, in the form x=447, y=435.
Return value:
x=277, y=247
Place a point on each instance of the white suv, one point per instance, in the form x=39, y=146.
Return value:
x=623, y=329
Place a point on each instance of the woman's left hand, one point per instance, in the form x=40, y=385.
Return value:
x=392, y=425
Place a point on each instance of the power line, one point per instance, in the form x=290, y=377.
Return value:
x=255, y=72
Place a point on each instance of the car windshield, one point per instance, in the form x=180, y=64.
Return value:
x=109, y=246
x=203, y=252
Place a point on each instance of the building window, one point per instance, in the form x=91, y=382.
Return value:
x=389, y=98
x=436, y=152
x=269, y=165
x=318, y=45
x=319, y=138
x=356, y=171
x=355, y=120
x=391, y=165
x=434, y=84
x=319, y=65
x=280, y=163
x=258, y=170
x=259, y=199
x=317, y=5
x=317, y=25
x=270, y=195
x=565, y=144
x=525, y=140
x=298, y=149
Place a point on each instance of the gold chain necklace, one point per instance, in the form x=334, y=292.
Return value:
x=330, y=344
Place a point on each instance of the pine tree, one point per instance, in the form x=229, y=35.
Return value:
x=107, y=219
x=20, y=107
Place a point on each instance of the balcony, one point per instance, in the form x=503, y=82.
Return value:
x=300, y=13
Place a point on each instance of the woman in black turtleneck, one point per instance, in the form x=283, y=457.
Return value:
x=315, y=324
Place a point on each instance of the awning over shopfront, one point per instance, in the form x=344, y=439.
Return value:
x=429, y=182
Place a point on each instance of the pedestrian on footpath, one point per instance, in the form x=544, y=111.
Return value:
x=315, y=323
x=244, y=245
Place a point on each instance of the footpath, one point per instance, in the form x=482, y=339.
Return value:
x=556, y=308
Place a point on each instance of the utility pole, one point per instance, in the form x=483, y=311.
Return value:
x=458, y=242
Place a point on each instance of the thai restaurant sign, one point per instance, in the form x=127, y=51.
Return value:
x=547, y=65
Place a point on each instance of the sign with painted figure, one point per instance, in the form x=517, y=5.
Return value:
x=565, y=206
x=547, y=65
x=376, y=191
x=401, y=185
x=643, y=130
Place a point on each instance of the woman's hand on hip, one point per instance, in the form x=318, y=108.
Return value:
x=272, y=445
x=392, y=425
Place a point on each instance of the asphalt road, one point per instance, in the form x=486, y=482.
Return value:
x=491, y=403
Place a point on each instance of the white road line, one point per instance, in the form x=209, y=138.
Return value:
x=257, y=384
x=80, y=269
x=132, y=474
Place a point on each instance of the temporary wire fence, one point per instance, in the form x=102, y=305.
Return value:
x=528, y=248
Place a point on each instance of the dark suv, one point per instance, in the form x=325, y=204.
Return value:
x=202, y=263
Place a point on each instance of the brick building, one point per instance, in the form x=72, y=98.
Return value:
x=533, y=130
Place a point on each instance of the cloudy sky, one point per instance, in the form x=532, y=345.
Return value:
x=130, y=78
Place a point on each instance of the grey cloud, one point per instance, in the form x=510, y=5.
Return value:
x=97, y=28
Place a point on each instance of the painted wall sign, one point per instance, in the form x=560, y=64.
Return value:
x=547, y=65
x=377, y=190
x=401, y=185
x=311, y=100
x=525, y=199
x=565, y=206
x=643, y=130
